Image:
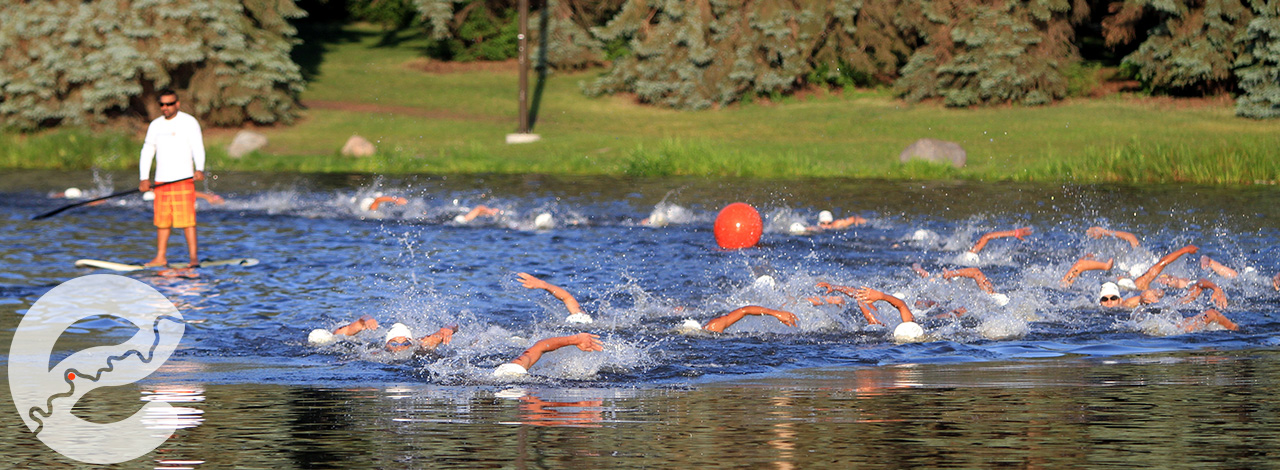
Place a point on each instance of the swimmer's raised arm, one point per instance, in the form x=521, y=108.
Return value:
x=1210, y=316
x=1209, y=263
x=1099, y=232
x=846, y=290
x=867, y=296
x=399, y=201
x=1219, y=298
x=1144, y=281
x=971, y=273
x=1087, y=263
x=434, y=340
x=479, y=211
x=212, y=198
x=720, y=323
x=530, y=282
x=365, y=322
x=584, y=341
x=1016, y=233
x=842, y=223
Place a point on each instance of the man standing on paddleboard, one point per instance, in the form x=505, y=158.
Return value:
x=175, y=143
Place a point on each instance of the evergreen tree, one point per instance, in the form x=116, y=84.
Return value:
x=1259, y=63
x=76, y=62
x=1192, y=48
x=487, y=29
x=992, y=51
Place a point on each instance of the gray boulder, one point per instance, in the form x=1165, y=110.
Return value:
x=358, y=146
x=245, y=142
x=935, y=151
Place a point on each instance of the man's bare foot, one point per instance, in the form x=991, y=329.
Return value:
x=156, y=263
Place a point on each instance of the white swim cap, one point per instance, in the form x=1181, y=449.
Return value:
x=578, y=318
x=658, y=218
x=765, y=281
x=319, y=337
x=461, y=219
x=543, y=221
x=149, y=196
x=796, y=228
x=1127, y=283
x=690, y=325
x=920, y=235
x=1000, y=299
x=1138, y=270
x=969, y=257
x=72, y=193
x=826, y=217
x=1110, y=289
x=907, y=332
x=510, y=370
x=398, y=329
x=366, y=204
x=900, y=295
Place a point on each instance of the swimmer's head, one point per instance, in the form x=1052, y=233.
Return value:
x=1000, y=299
x=149, y=196
x=578, y=318
x=366, y=203
x=510, y=371
x=689, y=326
x=1127, y=284
x=969, y=257
x=460, y=219
x=319, y=337
x=826, y=217
x=399, y=338
x=72, y=193
x=1137, y=270
x=1109, y=296
x=658, y=218
x=543, y=221
x=796, y=228
x=907, y=332
x=765, y=281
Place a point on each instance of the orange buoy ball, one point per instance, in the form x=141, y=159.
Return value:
x=738, y=226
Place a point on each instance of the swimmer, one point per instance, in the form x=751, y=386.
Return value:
x=1109, y=297
x=818, y=300
x=827, y=221
x=398, y=338
x=520, y=365
x=971, y=273
x=1209, y=263
x=210, y=198
x=982, y=241
x=1086, y=263
x=718, y=324
x=1209, y=317
x=1219, y=298
x=576, y=315
x=1099, y=232
x=1144, y=281
x=1275, y=282
x=371, y=204
x=866, y=297
x=478, y=211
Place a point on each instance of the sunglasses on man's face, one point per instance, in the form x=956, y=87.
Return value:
x=171, y=103
x=1109, y=298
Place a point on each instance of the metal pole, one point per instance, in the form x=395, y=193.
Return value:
x=524, y=67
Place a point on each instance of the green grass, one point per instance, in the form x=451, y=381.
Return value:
x=456, y=123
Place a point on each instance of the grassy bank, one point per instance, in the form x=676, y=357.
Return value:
x=454, y=121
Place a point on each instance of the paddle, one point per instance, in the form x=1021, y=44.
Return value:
x=103, y=198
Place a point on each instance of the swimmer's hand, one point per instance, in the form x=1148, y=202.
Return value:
x=787, y=318
x=587, y=342
x=1097, y=232
x=528, y=281
x=1151, y=296
x=1022, y=232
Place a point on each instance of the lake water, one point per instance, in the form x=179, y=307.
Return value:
x=1048, y=380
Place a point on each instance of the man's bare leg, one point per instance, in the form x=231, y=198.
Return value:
x=190, y=233
x=162, y=246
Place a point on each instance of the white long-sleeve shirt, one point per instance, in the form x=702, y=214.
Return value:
x=177, y=147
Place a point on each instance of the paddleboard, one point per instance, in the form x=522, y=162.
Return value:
x=122, y=267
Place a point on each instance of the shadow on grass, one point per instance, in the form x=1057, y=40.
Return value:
x=316, y=40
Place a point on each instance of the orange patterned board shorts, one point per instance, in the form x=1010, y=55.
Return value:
x=175, y=205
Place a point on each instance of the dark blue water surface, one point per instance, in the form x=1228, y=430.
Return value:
x=325, y=261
